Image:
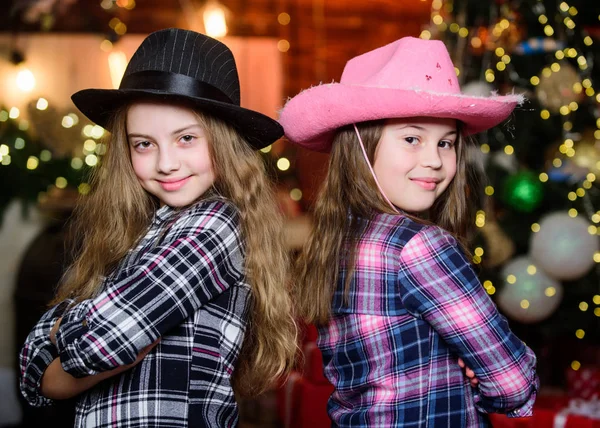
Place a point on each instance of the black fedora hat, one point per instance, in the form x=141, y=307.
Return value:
x=175, y=64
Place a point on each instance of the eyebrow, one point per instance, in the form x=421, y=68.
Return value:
x=421, y=128
x=177, y=131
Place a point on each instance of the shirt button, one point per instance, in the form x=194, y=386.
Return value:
x=84, y=323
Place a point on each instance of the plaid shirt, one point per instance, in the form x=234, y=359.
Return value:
x=415, y=306
x=184, y=283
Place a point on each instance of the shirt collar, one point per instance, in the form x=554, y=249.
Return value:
x=163, y=213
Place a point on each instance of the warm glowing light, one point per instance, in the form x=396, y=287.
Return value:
x=117, y=62
x=580, y=334
x=511, y=279
x=284, y=18
x=525, y=303
x=283, y=45
x=61, y=182
x=97, y=132
x=42, y=104
x=543, y=177
x=76, y=163
x=32, y=162
x=266, y=149
x=215, y=22
x=67, y=122
x=531, y=270
x=535, y=227
x=426, y=35
x=89, y=145
x=14, y=113
x=283, y=164
x=84, y=188
x=106, y=45
x=45, y=155
x=25, y=80
x=575, y=365
x=296, y=194
x=476, y=42
x=550, y=291
x=91, y=160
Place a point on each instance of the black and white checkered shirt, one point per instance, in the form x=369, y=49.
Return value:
x=184, y=283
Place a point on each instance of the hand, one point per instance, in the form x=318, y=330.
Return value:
x=469, y=373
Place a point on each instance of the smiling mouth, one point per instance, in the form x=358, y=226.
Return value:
x=173, y=185
x=426, y=183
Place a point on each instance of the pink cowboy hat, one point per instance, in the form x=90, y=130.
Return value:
x=408, y=78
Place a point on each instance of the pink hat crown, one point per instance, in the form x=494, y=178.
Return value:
x=408, y=64
x=407, y=78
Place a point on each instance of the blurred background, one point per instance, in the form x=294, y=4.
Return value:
x=536, y=250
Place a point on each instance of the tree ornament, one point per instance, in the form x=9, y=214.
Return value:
x=529, y=295
x=563, y=247
x=499, y=247
x=556, y=87
x=523, y=191
x=587, y=153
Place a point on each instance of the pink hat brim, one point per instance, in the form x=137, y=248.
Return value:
x=311, y=117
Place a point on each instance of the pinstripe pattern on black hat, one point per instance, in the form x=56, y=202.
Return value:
x=183, y=64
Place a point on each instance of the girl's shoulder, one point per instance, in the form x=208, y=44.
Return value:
x=402, y=229
x=213, y=206
x=215, y=213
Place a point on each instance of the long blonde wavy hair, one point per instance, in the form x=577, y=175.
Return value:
x=117, y=212
x=349, y=197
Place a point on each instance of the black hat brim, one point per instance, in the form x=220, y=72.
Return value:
x=98, y=105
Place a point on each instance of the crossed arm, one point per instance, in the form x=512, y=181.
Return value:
x=71, y=350
x=57, y=384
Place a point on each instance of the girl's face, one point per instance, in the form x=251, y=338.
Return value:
x=415, y=161
x=169, y=152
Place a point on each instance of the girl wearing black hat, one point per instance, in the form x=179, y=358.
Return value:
x=177, y=296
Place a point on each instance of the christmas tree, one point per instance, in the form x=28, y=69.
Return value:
x=538, y=245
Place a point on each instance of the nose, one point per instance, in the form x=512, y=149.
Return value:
x=430, y=156
x=167, y=160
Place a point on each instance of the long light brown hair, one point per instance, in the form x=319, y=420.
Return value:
x=347, y=201
x=117, y=212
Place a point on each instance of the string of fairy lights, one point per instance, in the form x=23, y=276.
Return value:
x=567, y=148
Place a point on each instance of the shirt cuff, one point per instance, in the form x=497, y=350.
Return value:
x=527, y=408
x=31, y=384
x=72, y=327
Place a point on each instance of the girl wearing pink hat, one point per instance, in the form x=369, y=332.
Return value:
x=384, y=275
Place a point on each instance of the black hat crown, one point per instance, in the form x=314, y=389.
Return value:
x=175, y=64
x=193, y=60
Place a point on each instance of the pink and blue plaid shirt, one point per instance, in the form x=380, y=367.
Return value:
x=415, y=306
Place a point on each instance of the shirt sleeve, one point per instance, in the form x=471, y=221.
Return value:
x=36, y=355
x=438, y=284
x=195, y=264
